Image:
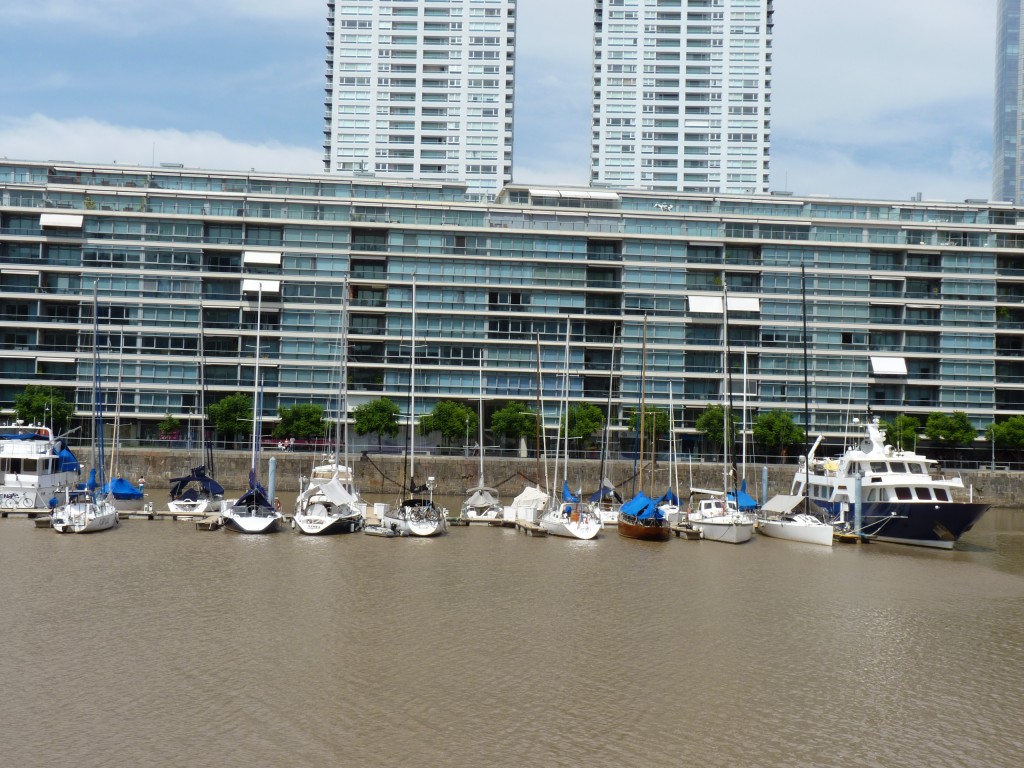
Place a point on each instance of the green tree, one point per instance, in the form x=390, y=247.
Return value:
x=44, y=405
x=377, y=417
x=585, y=420
x=303, y=420
x=902, y=431
x=453, y=420
x=776, y=431
x=711, y=424
x=231, y=416
x=171, y=425
x=1008, y=434
x=950, y=430
x=513, y=422
x=655, y=424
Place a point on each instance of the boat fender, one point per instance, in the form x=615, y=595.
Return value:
x=277, y=504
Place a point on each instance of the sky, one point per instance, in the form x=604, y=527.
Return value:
x=877, y=99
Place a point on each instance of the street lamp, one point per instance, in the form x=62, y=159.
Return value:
x=465, y=447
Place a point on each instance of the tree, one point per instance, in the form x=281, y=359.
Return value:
x=377, y=417
x=170, y=426
x=584, y=420
x=902, y=431
x=710, y=425
x=655, y=424
x=514, y=421
x=1008, y=434
x=44, y=405
x=453, y=420
x=303, y=420
x=776, y=431
x=231, y=416
x=950, y=430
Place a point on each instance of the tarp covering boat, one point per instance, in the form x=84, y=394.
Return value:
x=642, y=507
x=198, y=476
x=782, y=504
x=122, y=490
x=66, y=461
x=568, y=495
x=481, y=497
x=606, y=491
x=338, y=493
x=743, y=500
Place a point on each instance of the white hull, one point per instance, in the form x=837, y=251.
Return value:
x=415, y=521
x=251, y=523
x=730, y=530
x=583, y=526
x=85, y=517
x=810, y=531
x=198, y=507
x=488, y=515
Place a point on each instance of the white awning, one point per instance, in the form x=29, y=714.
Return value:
x=711, y=304
x=545, y=193
x=782, y=504
x=66, y=220
x=889, y=366
x=261, y=286
x=267, y=258
x=744, y=304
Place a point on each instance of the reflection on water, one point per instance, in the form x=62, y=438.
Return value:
x=156, y=644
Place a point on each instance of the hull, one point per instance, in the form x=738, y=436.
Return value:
x=416, y=518
x=924, y=525
x=575, y=526
x=85, y=518
x=198, y=507
x=797, y=530
x=487, y=515
x=252, y=523
x=729, y=530
x=661, y=532
x=327, y=525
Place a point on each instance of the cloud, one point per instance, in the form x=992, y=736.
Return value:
x=85, y=140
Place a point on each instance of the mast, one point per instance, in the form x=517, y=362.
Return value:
x=256, y=407
x=207, y=443
x=726, y=396
x=541, y=436
x=643, y=403
x=480, y=423
x=412, y=390
x=565, y=395
x=807, y=408
x=608, y=416
x=117, y=409
x=97, y=395
x=343, y=384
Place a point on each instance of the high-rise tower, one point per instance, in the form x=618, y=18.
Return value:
x=421, y=89
x=1008, y=129
x=682, y=94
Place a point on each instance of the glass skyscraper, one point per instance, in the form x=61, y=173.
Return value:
x=421, y=89
x=1006, y=159
x=682, y=95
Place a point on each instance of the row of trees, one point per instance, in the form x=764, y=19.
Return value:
x=774, y=431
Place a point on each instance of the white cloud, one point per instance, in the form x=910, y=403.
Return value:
x=85, y=140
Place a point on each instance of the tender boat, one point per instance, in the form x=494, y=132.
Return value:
x=904, y=497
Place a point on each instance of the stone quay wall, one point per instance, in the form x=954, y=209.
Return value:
x=378, y=474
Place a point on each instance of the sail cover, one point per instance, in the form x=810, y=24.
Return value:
x=123, y=490
x=482, y=497
x=338, y=493
x=198, y=475
x=568, y=495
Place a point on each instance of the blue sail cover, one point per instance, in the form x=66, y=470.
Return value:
x=66, y=462
x=743, y=500
x=91, y=484
x=122, y=490
x=568, y=495
x=199, y=476
x=669, y=498
x=605, y=491
x=643, y=507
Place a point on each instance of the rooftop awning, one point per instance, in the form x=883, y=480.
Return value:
x=261, y=286
x=269, y=258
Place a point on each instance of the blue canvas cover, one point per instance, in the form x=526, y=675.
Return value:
x=199, y=476
x=66, y=461
x=743, y=500
x=643, y=507
x=669, y=498
x=605, y=491
x=122, y=490
x=568, y=495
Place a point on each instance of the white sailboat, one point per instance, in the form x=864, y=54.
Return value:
x=569, y=516
x=253, y=512
x=721, y=518
x=481, y=504
x=90, y=509
x=120, y=491
x=416, y=515
x=328, y=502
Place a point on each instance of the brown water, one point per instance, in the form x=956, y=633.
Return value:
x=158, y=645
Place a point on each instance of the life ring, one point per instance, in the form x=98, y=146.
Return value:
x=277, y=504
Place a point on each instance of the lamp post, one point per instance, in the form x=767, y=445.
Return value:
x=465, y=447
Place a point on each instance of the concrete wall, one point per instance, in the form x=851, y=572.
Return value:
x=385, y=475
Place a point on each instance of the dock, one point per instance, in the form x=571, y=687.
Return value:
x=208, y=523
x=530, y=529
x=687, y=532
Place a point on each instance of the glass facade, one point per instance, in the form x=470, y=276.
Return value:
x=933, y=291
x=1007, y=161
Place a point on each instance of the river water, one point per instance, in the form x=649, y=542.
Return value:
x=158, y=645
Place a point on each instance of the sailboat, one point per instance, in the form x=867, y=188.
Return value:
x=198, y=493
x=90, y=509
x=121, y=492
x=328, y=502
x=416, y=515
x=253, y=512
x=569, y=516
x=780, y=517
x=641, y=517
x=606, y=501
x=481, y=504
x=719, y=518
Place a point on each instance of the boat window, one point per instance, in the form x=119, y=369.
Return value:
x=941, y=494
x=878, y=466
x=903, y=494
x=924, y=494
x=872, y=495
x=898, y=466
x=917, y=469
